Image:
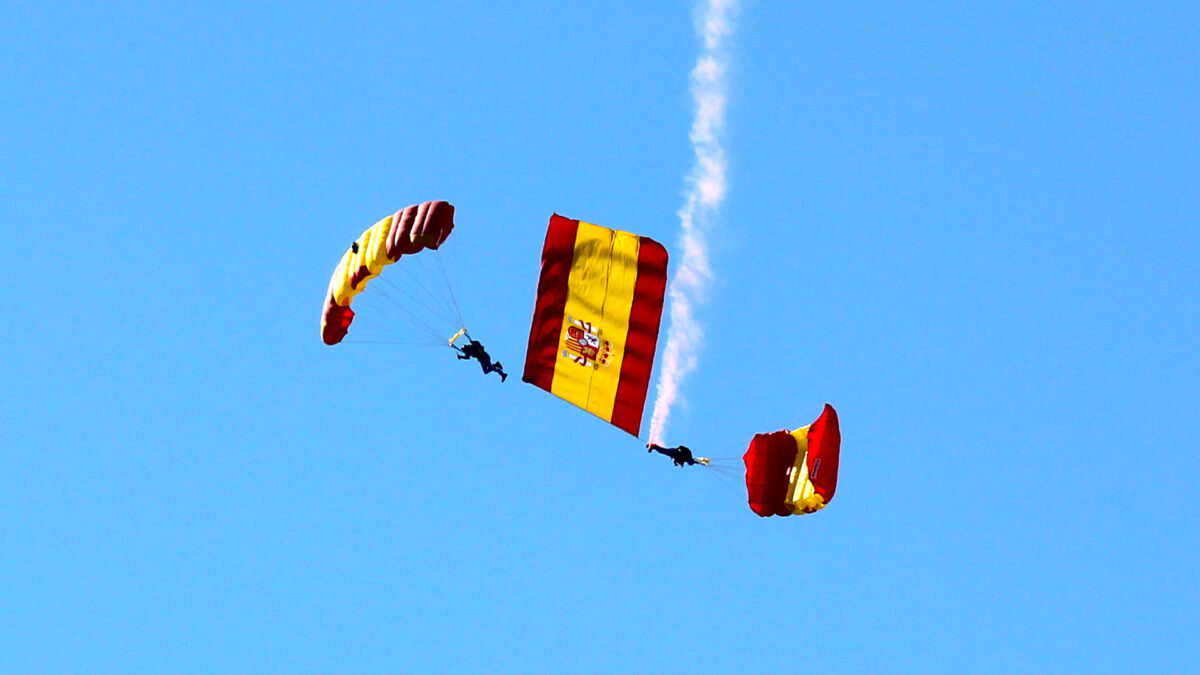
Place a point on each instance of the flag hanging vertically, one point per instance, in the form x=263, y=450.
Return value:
x=595, y=324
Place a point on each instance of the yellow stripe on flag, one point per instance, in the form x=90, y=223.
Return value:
x=600, y=292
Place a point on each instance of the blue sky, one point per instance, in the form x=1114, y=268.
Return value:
x=969, y=227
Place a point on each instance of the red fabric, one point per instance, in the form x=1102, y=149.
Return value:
x=439, y=221
x=359, y=275
x=337, y=321
x=420, y=226
x=767, y=462
x=824, y=448
x=400, y=237
x=642, y=340
x=557, y=255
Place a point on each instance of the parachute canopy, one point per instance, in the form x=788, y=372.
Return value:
x=793, y=473
x=407, y=231
x=595, y=323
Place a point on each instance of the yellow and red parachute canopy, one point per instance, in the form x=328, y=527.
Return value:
x=595, y=323
x=407, y=231
x=794, y=472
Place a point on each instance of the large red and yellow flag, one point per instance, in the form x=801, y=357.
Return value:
x=595, y=325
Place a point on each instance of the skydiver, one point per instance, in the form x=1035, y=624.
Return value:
x=681, y=455
x=475, y=350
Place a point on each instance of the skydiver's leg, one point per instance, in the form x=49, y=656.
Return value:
x=673, y=453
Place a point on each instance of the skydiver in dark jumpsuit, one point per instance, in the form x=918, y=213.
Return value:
x=475, y=350
x=681, y=455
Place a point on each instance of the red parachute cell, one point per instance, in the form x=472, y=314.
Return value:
x=794, y=472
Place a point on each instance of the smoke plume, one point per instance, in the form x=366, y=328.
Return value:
x=705, y=191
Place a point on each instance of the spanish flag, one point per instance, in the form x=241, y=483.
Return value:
x=595, y=324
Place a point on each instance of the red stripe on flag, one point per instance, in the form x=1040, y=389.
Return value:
x=558, y=253
x=642, y=340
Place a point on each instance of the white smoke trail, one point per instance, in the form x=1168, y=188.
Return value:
x=705, y=192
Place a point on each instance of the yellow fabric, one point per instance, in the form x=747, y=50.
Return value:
x=600, y=293
x=801, y=496
x=372, y=253
x=374, y=245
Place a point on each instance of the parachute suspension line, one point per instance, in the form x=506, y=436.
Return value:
x=414, y=277
x=438, y=312
x=408, y=315
x=450, y=288
x=725, y=479
x=388, y=342
x=396, y=331
x=451, y=252
x=723, y=468
x=719, y=468
x=421, y=274
x=415, y=293
x=447, y=310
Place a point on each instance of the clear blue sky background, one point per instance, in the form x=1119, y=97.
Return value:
x=972, y=227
